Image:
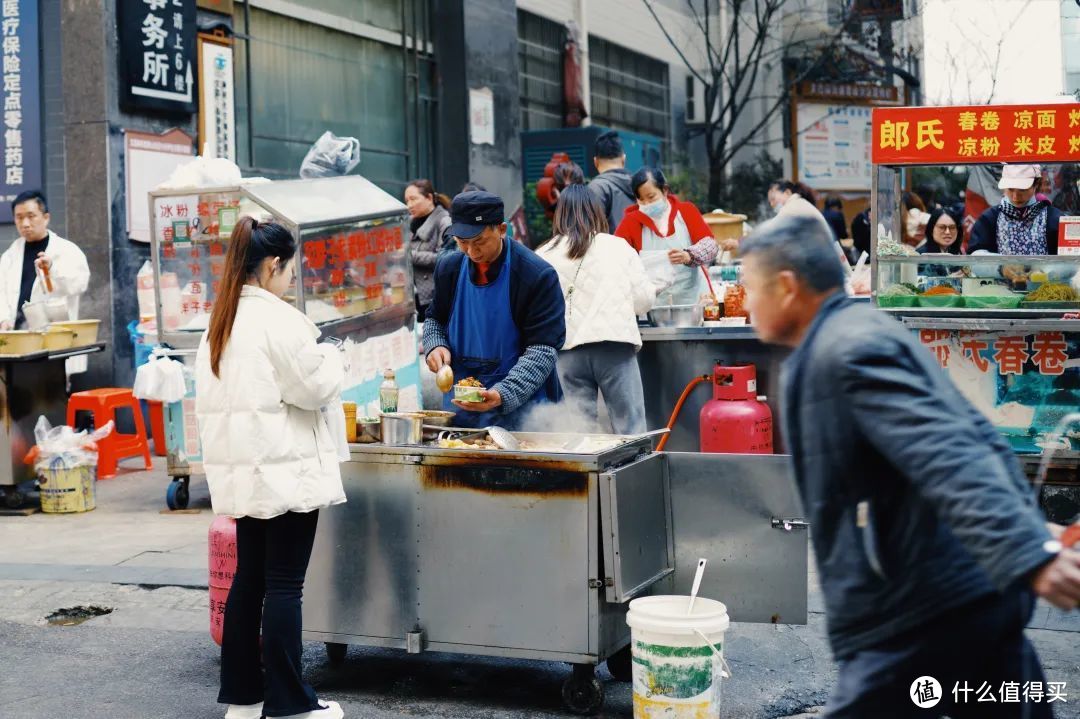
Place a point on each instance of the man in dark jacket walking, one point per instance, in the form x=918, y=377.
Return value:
x=929, y=545
x=612, y=186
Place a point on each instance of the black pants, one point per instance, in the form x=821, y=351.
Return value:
x=981, y=643
x=271, y=561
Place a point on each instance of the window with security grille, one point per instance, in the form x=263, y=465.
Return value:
x=540, y=47
x=297, y=76
x=629, y=91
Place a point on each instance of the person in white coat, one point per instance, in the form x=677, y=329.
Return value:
x=606, y=288
x=39, y=250
x=270, y=461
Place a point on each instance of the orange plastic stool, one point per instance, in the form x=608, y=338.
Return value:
x=157, y=426
x=102, y=404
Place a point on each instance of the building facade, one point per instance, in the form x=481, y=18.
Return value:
x=1070, y=47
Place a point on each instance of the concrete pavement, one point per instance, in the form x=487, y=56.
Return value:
x=151, y=656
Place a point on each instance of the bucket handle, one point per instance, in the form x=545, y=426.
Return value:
x=725, y=670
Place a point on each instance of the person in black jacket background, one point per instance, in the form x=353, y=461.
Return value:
x=611, y=187
x=929, y=544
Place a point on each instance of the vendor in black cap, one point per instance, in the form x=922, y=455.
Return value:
x=497, y=316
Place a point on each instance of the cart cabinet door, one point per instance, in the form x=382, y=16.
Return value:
x=636, y=526
x=741, y=512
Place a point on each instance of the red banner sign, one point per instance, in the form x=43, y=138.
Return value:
x=976, y=134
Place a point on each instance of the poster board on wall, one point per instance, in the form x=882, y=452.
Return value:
x=149, y=159
x=833, y=146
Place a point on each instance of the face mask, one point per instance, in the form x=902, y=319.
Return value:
x=1034, y=200
x=656, y=209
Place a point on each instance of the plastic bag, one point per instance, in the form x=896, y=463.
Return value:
x=331, y=156
x=161, y=380
x=203, y=172
x=64, y=446
x=659, y=269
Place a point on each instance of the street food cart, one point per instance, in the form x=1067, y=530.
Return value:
x=535, y=553
x=33, y=384
x=354, y=280
x=1015, y=356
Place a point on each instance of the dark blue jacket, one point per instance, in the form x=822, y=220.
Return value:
x=916, y=503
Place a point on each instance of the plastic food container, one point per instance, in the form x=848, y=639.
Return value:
x=57, y=338
x=897, y=301
x=936, y=301
x=468, y=394
x=992, y=302
x=21, y=342
x=86, y=331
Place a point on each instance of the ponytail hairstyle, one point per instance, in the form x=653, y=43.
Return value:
x=428, y=190
x=251, y=243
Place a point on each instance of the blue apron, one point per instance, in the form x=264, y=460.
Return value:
x=484, y=341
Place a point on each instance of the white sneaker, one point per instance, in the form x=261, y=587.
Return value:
x=327, y=710
x=244, y=711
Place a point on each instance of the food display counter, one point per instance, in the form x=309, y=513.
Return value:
x=31, y=385
x=535, y=553
x=1006, y=328
x=354, y=281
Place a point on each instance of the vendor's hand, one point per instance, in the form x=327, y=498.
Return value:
x=1059, y=581
x=679, y=257
x=42, y=262
x=5, y=326
x=728, y=245
x=1056, y=530
x=492, y=400
x=1014, y=273
x=438, y=358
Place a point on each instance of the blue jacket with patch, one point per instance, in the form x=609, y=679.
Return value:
x=916, y=503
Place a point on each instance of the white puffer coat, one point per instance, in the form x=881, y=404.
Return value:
x=609, y=292
x=266, y=447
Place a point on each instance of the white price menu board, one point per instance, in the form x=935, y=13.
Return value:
x=833, y=143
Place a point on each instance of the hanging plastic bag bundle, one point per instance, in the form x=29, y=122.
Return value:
x=331, y=156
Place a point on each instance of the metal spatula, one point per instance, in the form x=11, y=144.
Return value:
x=504, y=439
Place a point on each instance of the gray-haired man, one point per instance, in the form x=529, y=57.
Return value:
x=928, y=542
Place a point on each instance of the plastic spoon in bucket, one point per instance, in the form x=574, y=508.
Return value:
x=697, y=584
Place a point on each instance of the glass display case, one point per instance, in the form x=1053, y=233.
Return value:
x=353, y=271
x=959, y=285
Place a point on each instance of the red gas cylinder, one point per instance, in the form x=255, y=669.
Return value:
x=222, y=565
x=734, y=421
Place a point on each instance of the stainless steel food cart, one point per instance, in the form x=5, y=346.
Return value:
x=354, y=281
x=31, y=385
x=535, y=554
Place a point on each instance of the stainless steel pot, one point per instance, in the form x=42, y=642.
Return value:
x=401, y=428
x=676, y=316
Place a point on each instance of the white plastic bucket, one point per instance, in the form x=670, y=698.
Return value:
x=677, y=658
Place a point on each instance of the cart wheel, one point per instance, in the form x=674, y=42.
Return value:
x=177, y=495
x=14, y=499
x=620, y=665
x=336, y=653
x=582, y=693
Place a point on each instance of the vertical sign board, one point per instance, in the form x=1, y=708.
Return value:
x=148, y=161
x=833, y=146
x=157, y=54
x=22, y=101
x=217, y=111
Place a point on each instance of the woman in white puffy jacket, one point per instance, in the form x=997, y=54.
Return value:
x=270, y=461
x=606, y=288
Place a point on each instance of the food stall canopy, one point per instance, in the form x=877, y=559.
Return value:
x=978, y=134
x=320, y=201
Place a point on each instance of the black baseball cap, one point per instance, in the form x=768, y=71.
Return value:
x=472, y=212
